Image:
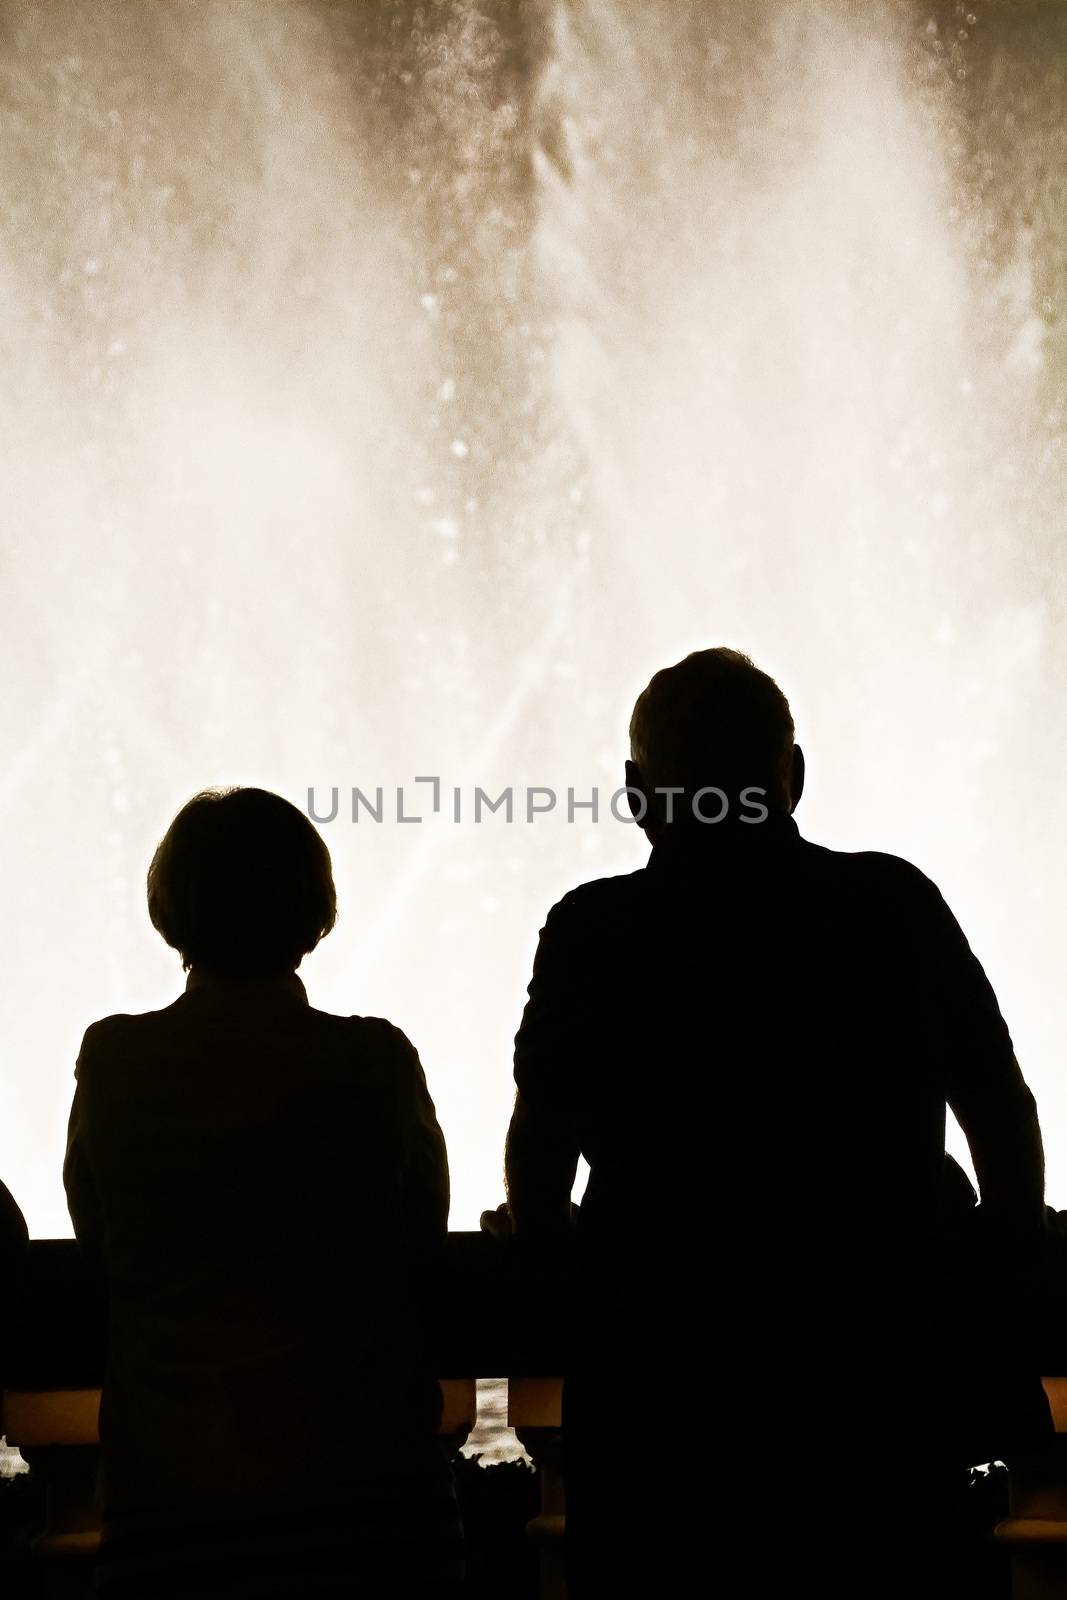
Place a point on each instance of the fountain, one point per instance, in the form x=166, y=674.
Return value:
x=391, y=389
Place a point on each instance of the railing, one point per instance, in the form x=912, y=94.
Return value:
x=56, y=1431
x=1035, y=1530
x=490, y=1326
x=499, y=1314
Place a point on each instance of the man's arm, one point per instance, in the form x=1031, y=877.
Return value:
x=999, y=1118
x=984, y=1085
x=540, y=1164
x=542, y=1148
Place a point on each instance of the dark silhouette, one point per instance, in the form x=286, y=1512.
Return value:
x=14, y=1235
x=752, y=1040
x=260, y=1182
x=14, y=1251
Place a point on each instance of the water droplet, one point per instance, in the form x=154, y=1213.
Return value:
x=447, y=391
x=460, y=448
x=429, y=302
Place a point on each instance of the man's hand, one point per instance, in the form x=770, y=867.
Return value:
x=498, y=1223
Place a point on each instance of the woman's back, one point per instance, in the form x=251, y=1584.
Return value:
x=258, y=1179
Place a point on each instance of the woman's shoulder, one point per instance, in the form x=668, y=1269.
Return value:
x=114, y=1038
x=120, y=1025
x=373, y=1036
x=376, y=1050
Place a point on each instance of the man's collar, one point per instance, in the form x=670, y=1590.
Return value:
x=732, y=839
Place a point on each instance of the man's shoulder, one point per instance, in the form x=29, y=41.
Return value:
x=600, y=897
x=878, y=868
x=875, y=870
x=864, y=883
x=875, y=893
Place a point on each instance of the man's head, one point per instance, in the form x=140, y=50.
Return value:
x=712, y=721
x=241, y=884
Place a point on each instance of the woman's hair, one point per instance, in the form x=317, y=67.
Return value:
x=241, y=884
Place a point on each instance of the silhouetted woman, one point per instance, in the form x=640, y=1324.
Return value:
x=259, y=1180
x=14, y=1257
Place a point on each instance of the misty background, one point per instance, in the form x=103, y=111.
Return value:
x=390, y=389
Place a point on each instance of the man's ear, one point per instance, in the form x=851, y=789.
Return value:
x=635, y=789
x=796, y=780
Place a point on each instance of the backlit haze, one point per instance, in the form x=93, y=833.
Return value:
x=389, y=391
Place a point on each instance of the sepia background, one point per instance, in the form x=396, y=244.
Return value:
x=388, y=390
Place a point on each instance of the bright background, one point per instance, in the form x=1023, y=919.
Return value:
x=389, y=391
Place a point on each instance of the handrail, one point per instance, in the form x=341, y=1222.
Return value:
x=482, y=1319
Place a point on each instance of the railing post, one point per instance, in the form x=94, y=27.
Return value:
x=67, y=1545
x=55, y=1431
x=534, y=1411
x=1035, y=1531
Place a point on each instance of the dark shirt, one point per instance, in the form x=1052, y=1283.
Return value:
x=257, y=1179
x=753, y=1041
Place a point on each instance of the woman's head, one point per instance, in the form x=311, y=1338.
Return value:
x=241, y=884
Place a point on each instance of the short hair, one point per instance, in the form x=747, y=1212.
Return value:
x=241, y=884
x=713, y=719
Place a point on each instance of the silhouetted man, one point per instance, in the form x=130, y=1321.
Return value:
x=752, y=1040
